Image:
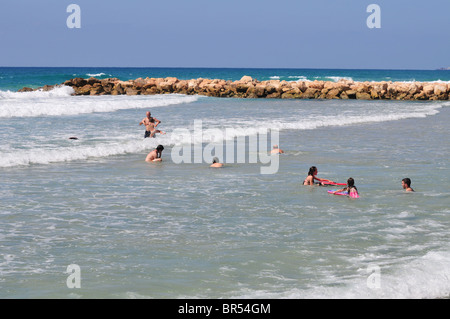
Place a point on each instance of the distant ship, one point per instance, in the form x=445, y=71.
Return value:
x=447, y=69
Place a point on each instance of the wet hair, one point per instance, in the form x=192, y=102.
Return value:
x=215, y=160
x=312, y=169
x=407, y=181
x=351, y=184
x=152, y=120
x=160, y=148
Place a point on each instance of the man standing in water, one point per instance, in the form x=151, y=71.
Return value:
x=148, y=124
x=155, y=155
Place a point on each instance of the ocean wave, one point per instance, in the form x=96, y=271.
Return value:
x=73, y=153
x=253, y=127
x=59, y=102
x=295, y=78
x=414, y=81
x=212, y=131
x=426, y=277
x=97, y=74
x=298, y=77
x=61, y=91
x=338, y=78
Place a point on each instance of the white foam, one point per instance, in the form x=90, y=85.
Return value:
x=74, y=153
x=298, y=77
x=61, y=91
x=338, y=78
x=253, y=127
x=95, y=74
x=59, y=101
x=426, y=277
x=123, y=144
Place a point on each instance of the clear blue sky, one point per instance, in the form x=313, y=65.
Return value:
x=235, y=33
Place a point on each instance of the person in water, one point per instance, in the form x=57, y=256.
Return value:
x=406, y=184
x=152, y=128
x=155, y=155
x=215, y=163
x=350, y=188
x=312, y=177
x=276, y=150
x=146, y=122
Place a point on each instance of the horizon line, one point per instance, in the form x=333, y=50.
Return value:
x=237, y=68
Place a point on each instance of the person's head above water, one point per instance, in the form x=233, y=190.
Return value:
x=160, y=148
x=350, y=182
x=312, y=170
x=406, y=182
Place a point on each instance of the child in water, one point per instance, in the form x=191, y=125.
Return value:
x=312, y=177
x=350, y=189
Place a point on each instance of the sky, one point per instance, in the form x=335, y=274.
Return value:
x=329, y=34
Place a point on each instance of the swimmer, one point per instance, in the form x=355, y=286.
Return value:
x=216, y=163
x=406, y=184
x=152, y=128
x=350, y=189
x=312, y=177
x=276, y=150
x=155, y=155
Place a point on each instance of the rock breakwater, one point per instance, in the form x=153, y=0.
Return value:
x=248, y=87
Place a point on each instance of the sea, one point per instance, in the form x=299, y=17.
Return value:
x=83, y=215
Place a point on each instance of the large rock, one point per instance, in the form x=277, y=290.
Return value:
x=246, y=79
x=363, y=96
x=84, y=90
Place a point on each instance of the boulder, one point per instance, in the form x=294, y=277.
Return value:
x=440, y=89
x=311, y=93
x=131, y=91
x=333, y=94
x=84, y=90
x=363, y=96
x=25, y=89
x=92, y=81
x=351, y=94
x=428, y=89
x=318, y=85
x=246, y=79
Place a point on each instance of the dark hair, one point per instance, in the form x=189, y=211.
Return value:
x=312, y=169
x=160, y=148
x=407, y=181
x=152, y=120
x=215, y=160
x=350, y=182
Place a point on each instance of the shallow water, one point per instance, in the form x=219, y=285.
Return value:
x=168, y=230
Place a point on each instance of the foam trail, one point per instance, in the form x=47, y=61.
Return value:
x=61, y=91
x=59, y=102
x=74, y=153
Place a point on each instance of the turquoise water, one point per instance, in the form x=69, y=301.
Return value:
x=185, y=230
x=17, y=78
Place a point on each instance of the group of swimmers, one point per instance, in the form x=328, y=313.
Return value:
x=349, y=188
x=155, y=156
